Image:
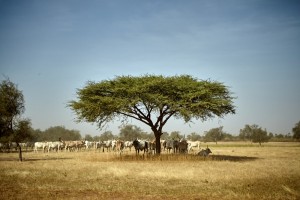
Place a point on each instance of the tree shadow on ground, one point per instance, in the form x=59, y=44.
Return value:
x=183, y=157
x=232, y=158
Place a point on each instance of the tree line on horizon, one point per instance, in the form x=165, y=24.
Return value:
x=129, y=132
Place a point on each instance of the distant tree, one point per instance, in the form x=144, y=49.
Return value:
x=214, y=134
x=175, y=135
x=280, y=135
x=107, y=135
x=246, y=133
x=147, y=136
x=255, y=133
x=260, y=136
x=296, y=131
x=271, y=135
x=165, y=136
x=23, y=130
x=96, y=138
x=194, y=137
x=152, y=100
x=228, y=137
x=36, y=135
x=56, y=132
x=71, y=135
x=12, y=106
x=130, y=132
x=88, y=137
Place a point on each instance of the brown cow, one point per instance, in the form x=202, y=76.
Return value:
x=120, y=146
x=74, y=145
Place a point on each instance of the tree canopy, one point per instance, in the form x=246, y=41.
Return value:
x=214, y=134
x=152, y=100
x=56, y=132
x=12, y=106
x=255, y=133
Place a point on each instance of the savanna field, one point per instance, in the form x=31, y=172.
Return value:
x=235, y=170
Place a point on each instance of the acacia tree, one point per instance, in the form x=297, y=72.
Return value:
x=152, y=100
x=12, y=128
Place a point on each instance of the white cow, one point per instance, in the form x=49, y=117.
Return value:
x=88, y=144
x=55, y=145
x=113, y=144
x=192, y=145
x=38, y=145
x=128, y=144
x=107, y=144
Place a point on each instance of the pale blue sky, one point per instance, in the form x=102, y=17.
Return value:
x=50, y=48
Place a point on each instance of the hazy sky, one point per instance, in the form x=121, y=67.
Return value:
x=51, y=48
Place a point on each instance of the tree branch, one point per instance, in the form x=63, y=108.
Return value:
x=137, y=117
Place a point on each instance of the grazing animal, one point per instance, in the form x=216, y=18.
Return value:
x=193, y=144
x=107, y=144
x=162, y=145
x=42, y=145
x=113, y=144
x=29, y=145
x=171, y=144
x=98, y=145
x=182, y=146
x=140, y=145
x=128, y=144
x=152, y=146
x=204, y=152
x=120, y=146
x=74, y=145
x=55, y=145
x=88, y=144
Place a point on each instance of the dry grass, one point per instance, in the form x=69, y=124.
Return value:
x=234, y=171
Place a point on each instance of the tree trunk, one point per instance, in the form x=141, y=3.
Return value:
x=157, y=135
x=157, y=144
x=20, y=152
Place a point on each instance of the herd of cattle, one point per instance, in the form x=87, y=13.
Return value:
x=169, y=146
